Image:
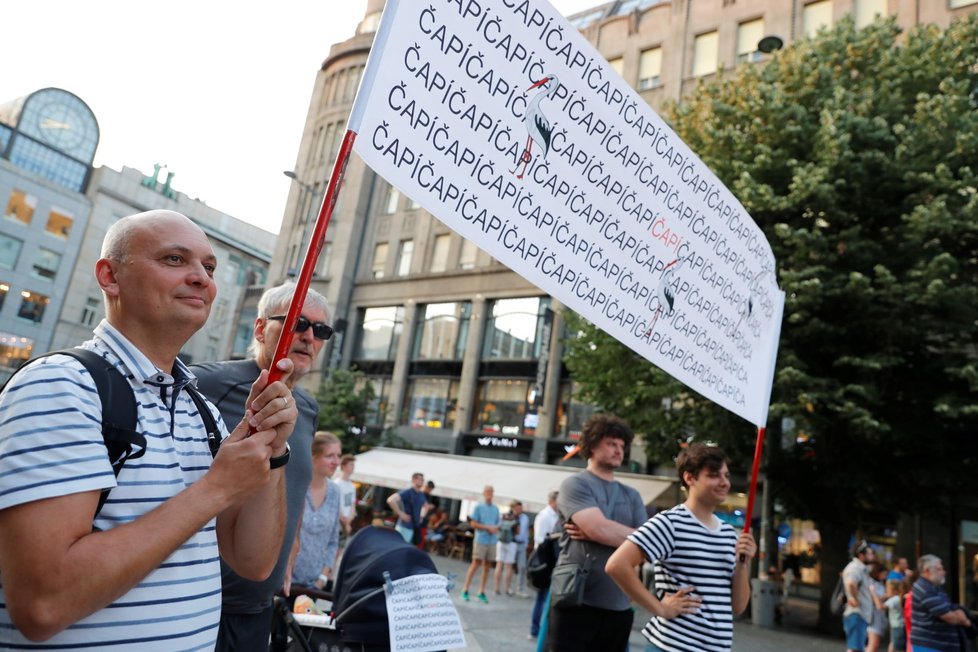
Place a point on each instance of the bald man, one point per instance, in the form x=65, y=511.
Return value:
x=146, y=573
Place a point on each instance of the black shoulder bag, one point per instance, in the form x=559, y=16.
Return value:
x=568, y=581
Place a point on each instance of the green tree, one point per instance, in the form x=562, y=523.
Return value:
x=663, y=411
x=855, y=152
x=343, y=400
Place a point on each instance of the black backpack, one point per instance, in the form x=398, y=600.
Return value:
x=122, y=441
x=839, y=600
x=540, y=566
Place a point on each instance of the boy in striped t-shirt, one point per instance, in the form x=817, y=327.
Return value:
x=702, y=567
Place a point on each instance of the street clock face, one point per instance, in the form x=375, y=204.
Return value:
x=61, y=124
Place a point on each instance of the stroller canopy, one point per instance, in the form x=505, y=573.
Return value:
x=361, y=617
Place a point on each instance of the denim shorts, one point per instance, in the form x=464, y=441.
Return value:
x=855, y=628
x=898, y=636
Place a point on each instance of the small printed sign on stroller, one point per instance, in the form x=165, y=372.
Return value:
x=421, y=615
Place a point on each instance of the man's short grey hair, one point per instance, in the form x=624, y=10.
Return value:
x=552, y=495
x=927, y=562
x=277, y=299
x=115, y=246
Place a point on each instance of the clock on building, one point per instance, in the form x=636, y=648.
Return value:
x=60, y=123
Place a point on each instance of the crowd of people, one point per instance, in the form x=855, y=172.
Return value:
x=191, y=540
x=899, y=609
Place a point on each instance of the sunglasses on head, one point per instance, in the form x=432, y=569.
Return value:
x=320, y=329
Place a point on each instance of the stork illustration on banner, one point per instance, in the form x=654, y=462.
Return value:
x=667, y=298
x=747, y=306
x=538, y=127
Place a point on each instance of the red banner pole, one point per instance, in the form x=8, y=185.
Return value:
x=312, y=253
x=758, y=449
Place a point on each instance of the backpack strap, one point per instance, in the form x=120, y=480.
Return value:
x=122, y=441
x=119, y=412
x=213, y=432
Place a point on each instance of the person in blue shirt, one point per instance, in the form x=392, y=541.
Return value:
x=485, y=522
x=410, y=506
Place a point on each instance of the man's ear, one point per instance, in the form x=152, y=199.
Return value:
x=259, y=330
x=105, y=274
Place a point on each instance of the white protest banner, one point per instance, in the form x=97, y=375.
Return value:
x=501, y=120
x=421, y=615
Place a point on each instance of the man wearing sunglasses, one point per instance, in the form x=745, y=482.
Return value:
x=246, y=610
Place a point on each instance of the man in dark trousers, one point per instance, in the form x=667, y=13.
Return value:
x=599, y=514
x=246, y=606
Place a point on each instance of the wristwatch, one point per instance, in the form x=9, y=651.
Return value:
x=281, y=460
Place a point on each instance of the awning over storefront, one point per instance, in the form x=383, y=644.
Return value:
x=463, y=478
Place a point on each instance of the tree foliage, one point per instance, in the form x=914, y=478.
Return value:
x=857, y=154
x=343, y=401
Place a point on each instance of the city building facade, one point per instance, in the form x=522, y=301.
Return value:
x=463, y=354
x=47, y=144
x=243, y=253
x=57, y=209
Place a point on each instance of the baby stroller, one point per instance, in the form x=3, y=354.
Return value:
x=359, y=613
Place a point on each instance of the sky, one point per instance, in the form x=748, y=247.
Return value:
x=217, y=91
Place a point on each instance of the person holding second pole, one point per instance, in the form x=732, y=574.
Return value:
x=702, y=567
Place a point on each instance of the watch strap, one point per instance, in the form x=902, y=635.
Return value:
x=281, y=460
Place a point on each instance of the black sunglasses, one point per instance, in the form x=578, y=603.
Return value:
x=320, y=329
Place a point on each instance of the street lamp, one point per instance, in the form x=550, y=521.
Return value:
x=312, y=205
x=769, y=44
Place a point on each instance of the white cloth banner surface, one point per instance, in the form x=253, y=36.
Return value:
x=421, y=615
x=500, y=119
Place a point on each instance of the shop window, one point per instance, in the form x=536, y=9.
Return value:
x=442, y=332
x=502, y=406
x=232, y=269
x=381, y=333
x=815, y=16
x=866, y=11
x=59, y=223
x=32, y=306
x=46, y=264
x=15, y=350
x=571, y=412
x=90, y=311
x=705, y=54
x=439, y=253
x=21, y=206
x=325, y=260
x=514, y=328
x=9, y=251
x=405, y=255
x=466, y=257
x=393, y=197
x=432, y=402
x=650, y=69
x=244, y=333
x=379, y=405
x=748, y=35
x=380, y=260
x=4, y=289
